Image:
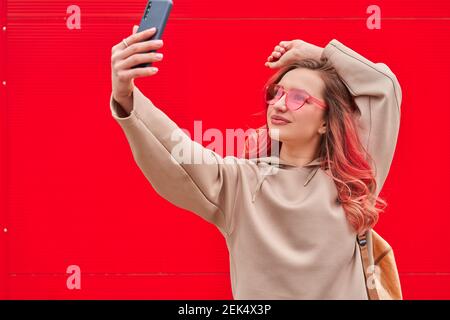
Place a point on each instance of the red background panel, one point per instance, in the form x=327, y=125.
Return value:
x=71, y=193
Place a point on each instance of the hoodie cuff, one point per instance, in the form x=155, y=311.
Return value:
x=330, y=49
x=119, y=114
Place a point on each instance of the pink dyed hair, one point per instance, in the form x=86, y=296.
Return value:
x=345, y=159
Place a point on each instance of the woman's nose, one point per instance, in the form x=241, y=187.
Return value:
x=280, y=104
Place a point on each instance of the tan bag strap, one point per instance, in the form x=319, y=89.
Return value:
x=365, y=241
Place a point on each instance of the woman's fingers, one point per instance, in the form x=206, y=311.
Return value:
x=139, y=58
x=277, y=53
x=139, y=36
x=280, y=54
x=145, y=46
x=138, y=51
x=286, y=44
x=128, y=75
x=134, y=38
x=280, y=49
x=285, y=59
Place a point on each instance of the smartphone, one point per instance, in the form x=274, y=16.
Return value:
x=156, y=14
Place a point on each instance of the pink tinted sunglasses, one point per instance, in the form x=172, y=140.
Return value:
x=295, y=98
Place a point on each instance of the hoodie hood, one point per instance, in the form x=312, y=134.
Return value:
x=269, y=164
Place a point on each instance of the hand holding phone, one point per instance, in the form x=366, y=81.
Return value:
x=122, y=60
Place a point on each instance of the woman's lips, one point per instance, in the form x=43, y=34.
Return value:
x=278, y=120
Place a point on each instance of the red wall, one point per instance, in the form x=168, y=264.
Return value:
x=71, y=193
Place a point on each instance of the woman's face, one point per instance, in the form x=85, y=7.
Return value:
x=305, y=122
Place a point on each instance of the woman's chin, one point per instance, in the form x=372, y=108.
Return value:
x=277, y=134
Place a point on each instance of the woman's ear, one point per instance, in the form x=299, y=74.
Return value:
x=323, y=128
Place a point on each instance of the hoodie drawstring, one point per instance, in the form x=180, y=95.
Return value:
x=260, y=181
x=311, y=175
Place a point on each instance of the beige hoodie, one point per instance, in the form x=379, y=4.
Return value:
x=287, y=236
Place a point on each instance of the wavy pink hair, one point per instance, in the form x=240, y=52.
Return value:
x=345, y=159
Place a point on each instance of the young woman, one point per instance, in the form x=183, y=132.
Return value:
x=290, y=220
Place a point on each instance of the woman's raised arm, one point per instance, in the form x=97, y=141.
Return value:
x=378, y=95
x=207, y=188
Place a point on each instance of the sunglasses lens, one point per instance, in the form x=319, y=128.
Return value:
x=296, y=99
x=273, y=93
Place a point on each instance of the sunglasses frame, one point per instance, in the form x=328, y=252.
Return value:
x=319, y=103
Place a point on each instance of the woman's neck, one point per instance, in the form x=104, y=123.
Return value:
x=297, y=156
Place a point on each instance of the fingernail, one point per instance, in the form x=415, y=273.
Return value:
x=159, y=55
x=152, y=29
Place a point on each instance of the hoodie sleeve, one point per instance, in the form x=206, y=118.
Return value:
x=166, y=155
x=378, y=95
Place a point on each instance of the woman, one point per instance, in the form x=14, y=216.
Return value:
x=290, y=220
